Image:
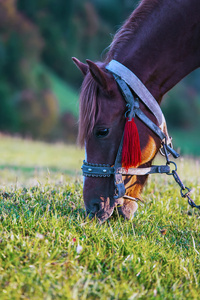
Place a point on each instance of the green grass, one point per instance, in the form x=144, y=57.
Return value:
x=50, y=250
x=25, y=160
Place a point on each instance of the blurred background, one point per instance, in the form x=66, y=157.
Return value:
x=39, y=84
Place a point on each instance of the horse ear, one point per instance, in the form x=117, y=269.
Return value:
x=98, y=74
x=83, y=67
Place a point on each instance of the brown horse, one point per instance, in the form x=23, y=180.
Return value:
x=160, y=44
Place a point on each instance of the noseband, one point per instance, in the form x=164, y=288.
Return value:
x=134, y=91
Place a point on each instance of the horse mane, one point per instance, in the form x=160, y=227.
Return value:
x=89, y=105
x=88, y=108
x=130, y=27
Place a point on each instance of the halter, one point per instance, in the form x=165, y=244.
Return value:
x=134, y=91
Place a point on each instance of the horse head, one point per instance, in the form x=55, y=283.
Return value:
x=101, y=126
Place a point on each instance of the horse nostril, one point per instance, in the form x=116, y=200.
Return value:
x=93, y=208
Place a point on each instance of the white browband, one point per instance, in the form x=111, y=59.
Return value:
x=138, y=87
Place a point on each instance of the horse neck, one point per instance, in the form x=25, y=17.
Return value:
x=165, y=47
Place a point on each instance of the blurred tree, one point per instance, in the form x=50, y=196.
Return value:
x=38, y=113
x=181, y=105
x=20, y=50
x=79, y=28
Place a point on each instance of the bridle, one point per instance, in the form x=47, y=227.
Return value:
x=134, y=92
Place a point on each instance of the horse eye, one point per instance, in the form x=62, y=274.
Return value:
x=101, y=133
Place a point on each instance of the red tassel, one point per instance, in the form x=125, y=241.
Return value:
x=131, y=152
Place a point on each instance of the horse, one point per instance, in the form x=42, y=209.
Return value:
x=159, y=45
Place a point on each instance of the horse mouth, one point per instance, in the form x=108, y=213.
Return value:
x=101, y=215
x=126, y=209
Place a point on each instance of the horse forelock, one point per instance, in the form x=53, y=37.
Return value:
x=88, y=108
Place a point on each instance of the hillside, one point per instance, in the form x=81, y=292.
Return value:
x=66, y=96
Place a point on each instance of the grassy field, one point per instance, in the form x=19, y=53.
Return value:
x=50, y=250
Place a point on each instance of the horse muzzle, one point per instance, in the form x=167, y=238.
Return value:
x=102, y=208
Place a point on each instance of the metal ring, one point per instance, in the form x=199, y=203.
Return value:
x=172, y=162
x=128, y=111
x=163, y=151
x=185, y=194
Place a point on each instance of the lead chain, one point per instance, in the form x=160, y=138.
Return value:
x=178, y=180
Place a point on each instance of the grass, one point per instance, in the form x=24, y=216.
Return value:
x=24, y=161
x=50, y=250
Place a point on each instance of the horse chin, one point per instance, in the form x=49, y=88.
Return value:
x=128, y=209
